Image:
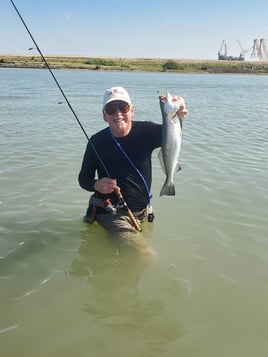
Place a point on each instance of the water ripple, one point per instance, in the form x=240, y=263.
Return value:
x=9, y=328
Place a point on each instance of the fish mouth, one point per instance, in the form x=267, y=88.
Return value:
x=169, y=98
x=165, y=96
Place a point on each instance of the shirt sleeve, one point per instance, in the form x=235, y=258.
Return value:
x=86, y=177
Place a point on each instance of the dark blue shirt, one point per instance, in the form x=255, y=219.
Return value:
x=139, y=144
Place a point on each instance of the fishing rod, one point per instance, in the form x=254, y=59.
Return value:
x=48, y=67
x=117, y=191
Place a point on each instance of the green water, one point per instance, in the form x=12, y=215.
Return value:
x=68, y=290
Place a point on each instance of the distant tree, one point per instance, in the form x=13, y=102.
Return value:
x=170, y=65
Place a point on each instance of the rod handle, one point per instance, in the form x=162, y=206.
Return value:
x=134, y=221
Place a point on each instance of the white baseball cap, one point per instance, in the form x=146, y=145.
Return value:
x=116, y=93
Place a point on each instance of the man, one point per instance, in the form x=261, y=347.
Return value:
x=121, y=156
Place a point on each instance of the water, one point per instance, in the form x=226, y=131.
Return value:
x=67, y=290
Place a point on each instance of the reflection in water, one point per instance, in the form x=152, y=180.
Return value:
x=112, y=268
x=117, y=300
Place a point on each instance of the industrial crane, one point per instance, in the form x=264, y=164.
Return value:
x=223, y=55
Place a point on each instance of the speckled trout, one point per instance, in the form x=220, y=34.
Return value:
x=171, y=139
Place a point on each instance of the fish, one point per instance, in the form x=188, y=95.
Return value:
x=173, y=111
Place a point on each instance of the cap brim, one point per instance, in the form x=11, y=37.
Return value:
x=115, y=99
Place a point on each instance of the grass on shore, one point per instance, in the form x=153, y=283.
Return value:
x=135, y=64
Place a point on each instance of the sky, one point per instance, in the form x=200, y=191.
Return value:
x=174, y=29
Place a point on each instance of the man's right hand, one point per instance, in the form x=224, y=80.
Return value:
x=105, y=185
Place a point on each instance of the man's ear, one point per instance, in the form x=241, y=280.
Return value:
x=103, y=114
x=132, y=111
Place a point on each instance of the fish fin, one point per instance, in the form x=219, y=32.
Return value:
x=160, y=157
x=168, y=189
x=178, y=167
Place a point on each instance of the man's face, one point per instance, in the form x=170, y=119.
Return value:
x=119, y=115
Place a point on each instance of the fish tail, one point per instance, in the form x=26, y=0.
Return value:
x=168, y=189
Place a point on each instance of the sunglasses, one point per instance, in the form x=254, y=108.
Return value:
x=112, y=107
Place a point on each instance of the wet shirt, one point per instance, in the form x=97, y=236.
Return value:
x=106, y=159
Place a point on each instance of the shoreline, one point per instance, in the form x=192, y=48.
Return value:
x=134, y=64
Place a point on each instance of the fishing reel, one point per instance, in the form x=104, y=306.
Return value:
x=109, y=207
